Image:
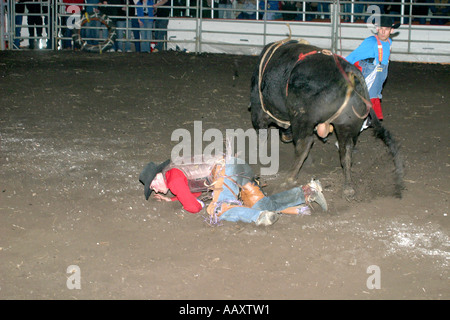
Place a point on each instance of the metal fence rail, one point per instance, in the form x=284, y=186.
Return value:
x=337, y=24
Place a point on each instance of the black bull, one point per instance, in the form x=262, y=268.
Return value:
x=300, y=86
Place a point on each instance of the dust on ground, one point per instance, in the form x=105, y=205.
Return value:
x=76, y=129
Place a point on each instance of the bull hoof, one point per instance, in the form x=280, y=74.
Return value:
x=349, y=193
x=286, y=135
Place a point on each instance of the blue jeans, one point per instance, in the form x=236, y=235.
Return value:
x=272, y=15
x=91, y=33
x=67, y=33
x=19, y=18
x=242, y=173
x=146, y=34
x=324, y=8
x=120, y=30
x=136, y=34
x=226, y=14
x=161, y=32
x=357, y=8
x=246, y=16
x=376, y=86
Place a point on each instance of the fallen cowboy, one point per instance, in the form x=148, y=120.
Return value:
x=236, y=195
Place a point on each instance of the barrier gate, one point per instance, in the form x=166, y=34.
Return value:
x=212, y=26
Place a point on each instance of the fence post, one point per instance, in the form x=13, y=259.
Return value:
x=335, y=24
x=198, y=26
x=3, y=25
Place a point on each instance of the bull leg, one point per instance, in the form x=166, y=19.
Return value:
x=345, y=154
x=346, y=145
x=259, y=118
x=286, y=135
x=302, y=148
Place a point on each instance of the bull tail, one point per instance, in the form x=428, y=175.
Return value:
x=394, y=149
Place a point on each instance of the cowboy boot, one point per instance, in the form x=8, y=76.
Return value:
x=313, y=193
x=267, y=218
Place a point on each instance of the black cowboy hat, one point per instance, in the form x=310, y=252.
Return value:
x=149, y=173
x=388, y=22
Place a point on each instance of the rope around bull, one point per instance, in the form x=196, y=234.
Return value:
x=349, y=79
x=282, y=123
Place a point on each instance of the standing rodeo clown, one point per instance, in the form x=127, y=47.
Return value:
x=236, y=195
x=373, y=57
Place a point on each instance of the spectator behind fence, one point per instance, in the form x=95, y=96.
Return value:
x=20, y=9
x=133, y=27
x=115, y=13
x=34, y=21
x=324, y=9
x=145, y=14
x=358, y=9
x=394, y=8
x=305, y=6
x=290, y=6
x=311, y=7
x=208, y=10
x=67, y=26
x=162, y=13
x=121, y=23
x=178, y=10
x=440, y=10
x=92, y=28
x=272, y=10
x=248, y=10
x=192, y=8
x=420, y=8
x=228, y=6
x=46, y=5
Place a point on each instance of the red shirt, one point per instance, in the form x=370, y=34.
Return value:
x=177, y=182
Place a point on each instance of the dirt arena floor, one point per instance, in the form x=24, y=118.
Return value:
x=76, y=130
